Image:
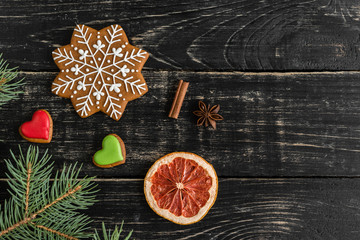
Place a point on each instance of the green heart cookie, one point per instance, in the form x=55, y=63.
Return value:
x=110, y=152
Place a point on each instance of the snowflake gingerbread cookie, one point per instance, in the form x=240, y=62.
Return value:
x=99, y=71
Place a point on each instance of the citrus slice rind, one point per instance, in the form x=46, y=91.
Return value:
x=210, y=196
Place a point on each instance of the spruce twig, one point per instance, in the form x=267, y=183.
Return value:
x=37, y=210
x=115, y=235
x=9, y=87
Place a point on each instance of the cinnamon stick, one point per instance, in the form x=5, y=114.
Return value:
x=178, y=100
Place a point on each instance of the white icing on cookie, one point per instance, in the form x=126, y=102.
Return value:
x=108, y=61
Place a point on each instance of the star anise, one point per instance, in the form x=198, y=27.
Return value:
x=208, y=115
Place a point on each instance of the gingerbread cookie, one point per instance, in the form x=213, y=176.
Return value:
x=112, y=153
x=39, y=129
x=100, y=71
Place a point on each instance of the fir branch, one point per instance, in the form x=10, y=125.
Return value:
x=38, y=211
x=9, y=88
x=29, y=171
x=56, y=232
x=69, y=193
x=115, y=234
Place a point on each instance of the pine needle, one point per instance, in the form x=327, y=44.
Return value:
x=115, y=235
x=42, y=209
x=9, y=87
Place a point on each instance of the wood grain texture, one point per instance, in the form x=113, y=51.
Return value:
x=195, y=35
x=279, y=209
x=276, y=124
x=284, y=72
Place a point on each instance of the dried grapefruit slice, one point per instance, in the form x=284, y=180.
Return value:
x=181, y=187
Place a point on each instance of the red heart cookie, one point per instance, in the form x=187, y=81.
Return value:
x=39, y=129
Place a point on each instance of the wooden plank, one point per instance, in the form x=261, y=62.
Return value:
x=276, y=124
x=201, y=35
x=245, y=209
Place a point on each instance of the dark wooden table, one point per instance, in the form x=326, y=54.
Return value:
x=284, y=72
